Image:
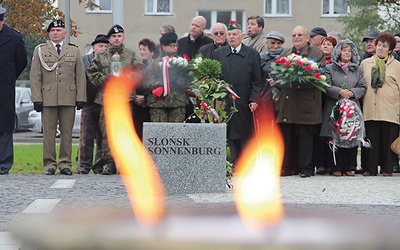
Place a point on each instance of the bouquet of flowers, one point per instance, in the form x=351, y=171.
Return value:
x=209, y=93
x=295, y=68
x=348, y=125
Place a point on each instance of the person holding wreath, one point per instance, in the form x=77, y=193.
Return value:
x=346, y=81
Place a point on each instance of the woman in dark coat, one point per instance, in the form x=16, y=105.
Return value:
x=347, y=81
x=12, y=63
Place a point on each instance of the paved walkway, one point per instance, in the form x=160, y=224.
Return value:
x=24, y=196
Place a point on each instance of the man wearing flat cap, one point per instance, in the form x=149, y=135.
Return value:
x=58, y=85
x=241, y=67
x=370, y=48
x=168, y=100
x=316, y=35
x=90, y=118
x=12, y=63
x=104, y=64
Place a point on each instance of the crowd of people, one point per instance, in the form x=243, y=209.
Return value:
x=62, y=80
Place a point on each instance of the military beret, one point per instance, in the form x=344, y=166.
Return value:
x=100, y=38
x=115, y=29
x=2, y=11
x=56, y=23
x=234, y=25
x=168, y=38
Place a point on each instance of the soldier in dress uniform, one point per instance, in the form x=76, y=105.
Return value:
x=104, y=64
x=58, y=85
x=12, y=63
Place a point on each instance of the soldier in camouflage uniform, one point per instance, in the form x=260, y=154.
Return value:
x=98, y=73
x=164, y=106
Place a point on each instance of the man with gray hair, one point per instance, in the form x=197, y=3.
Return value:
x=219, y=35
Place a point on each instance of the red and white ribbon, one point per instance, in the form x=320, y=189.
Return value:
x=235, y=96
x=213, y=111
x=165, y=76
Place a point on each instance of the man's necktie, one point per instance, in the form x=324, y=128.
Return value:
x=58, y=48
x=234, y=51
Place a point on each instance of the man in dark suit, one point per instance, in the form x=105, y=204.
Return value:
x=90, y=130
x=196, y=38
x=58, y=84
x=299, y=110
x=241, y=67
x=219, y=35
x=12, y=62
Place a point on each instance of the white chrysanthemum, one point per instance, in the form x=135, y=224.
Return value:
x=314, y=65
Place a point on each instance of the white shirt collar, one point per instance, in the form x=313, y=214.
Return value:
x=238, y=48
x=54, y=44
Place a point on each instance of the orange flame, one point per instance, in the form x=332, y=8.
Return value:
x=137, y=169
x=257, y=176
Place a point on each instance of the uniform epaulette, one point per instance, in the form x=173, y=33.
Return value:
x=40, y=45
x=72, y=44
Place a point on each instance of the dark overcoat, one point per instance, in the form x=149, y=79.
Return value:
x=301, y=103
x=13, y=61
x=190, y=48
x=243, y=71
x=336, y=76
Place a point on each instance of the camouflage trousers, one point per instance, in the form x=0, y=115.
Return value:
x=167, y=114
x=104, y=143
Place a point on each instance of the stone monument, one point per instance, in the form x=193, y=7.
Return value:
x=190, y=157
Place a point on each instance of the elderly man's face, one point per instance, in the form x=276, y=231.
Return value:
x=99, y=47
x=234, y=37
x=299, y=37
x=316, y=41
x=370, y=46
x=218, y=34
x=57, y=34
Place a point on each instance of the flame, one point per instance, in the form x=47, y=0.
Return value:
x=136, y=167
x=257, y=176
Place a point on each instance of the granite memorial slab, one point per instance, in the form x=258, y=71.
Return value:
x=190, y=157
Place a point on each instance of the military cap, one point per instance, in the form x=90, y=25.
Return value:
x=234, y=25
x=2, y=11
x=318, y=31
x=168, y=38
x=56, y=23
x=115, y=29
x=100, y=38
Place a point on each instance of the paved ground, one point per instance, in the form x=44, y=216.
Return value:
x=374, y=199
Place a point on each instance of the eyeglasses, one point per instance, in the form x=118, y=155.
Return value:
x=173, y=45
x=221, y=33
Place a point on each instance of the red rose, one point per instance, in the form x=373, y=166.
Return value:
x=317, y=75
x=308, y=68
x=186, y=57
x=287, y=64
x=299, y=63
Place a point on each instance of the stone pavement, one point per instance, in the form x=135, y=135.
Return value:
x=376, y=198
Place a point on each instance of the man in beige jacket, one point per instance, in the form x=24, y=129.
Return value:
x=58, y=84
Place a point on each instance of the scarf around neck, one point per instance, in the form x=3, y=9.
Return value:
x=378, y=72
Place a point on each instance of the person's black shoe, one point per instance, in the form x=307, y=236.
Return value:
x=66, y=171
x=4, y=171
x=359, y=171
x=83, y=172
x=110, y=169
x=305, y=174
x=50, y=171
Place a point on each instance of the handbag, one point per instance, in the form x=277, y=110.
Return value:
x=395, y=146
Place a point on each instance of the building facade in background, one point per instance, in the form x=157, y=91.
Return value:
x=143, y=18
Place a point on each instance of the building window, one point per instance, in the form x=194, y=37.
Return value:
x=214, y=16
x=277, y=7
x=334, y=7
x=158, y=7
x=99, y=6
